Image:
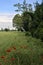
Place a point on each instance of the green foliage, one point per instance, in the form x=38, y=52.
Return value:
x=23, y=7
x=6, y=29
x=32, y=20
x=17, y=20
x=27, y=20
x=39, y=33
x=38, y=25
x=39, y=13
x=27, y=34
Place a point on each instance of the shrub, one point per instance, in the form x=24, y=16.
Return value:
x=39, y=33
x=27, y=34
x=6, y=29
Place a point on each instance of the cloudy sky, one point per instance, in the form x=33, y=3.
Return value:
x=6, y=17
x=7, y=10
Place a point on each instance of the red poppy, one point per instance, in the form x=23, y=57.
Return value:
x=2, y=57
x=14, y=48
x=12, y=59
x=8, y=50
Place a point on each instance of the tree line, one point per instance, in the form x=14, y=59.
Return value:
x=30, y=21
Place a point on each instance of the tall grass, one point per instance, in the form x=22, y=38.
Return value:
x=18, y=49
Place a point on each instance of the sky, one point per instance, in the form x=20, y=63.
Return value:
x=7, y=10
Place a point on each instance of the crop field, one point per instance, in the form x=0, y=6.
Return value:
x=18, y=49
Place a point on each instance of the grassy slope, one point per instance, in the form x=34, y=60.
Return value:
x=26, y=50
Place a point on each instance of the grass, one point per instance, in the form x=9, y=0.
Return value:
x=18, y=49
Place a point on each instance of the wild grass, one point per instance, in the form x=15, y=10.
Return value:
x=18, y=49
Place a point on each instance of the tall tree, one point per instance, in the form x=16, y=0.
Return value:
x=27, y=20
x=17, y=19
x=23, y=7
x=26, y=17
x=39, y=21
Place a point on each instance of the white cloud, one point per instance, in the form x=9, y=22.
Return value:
x=6, y=17
x=6, y=20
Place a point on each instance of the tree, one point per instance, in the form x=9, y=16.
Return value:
x=39, y=21
x=27, y=19
x=23, y=7
x=39, y=13
x=17, y=20
x=32, y=21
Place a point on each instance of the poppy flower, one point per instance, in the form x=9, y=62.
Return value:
x=14, y=48
x=8, y=50
x=12, y=59
x=2, y=57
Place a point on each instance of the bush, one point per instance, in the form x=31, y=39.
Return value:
x=39, y=33
x=27, y=34
x=6, y=29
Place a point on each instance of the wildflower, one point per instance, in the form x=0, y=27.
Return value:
x=12, y=59
x=8, y=50
x=2, y=57
x=14, y=48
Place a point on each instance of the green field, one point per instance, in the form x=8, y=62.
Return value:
x=18, y=49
